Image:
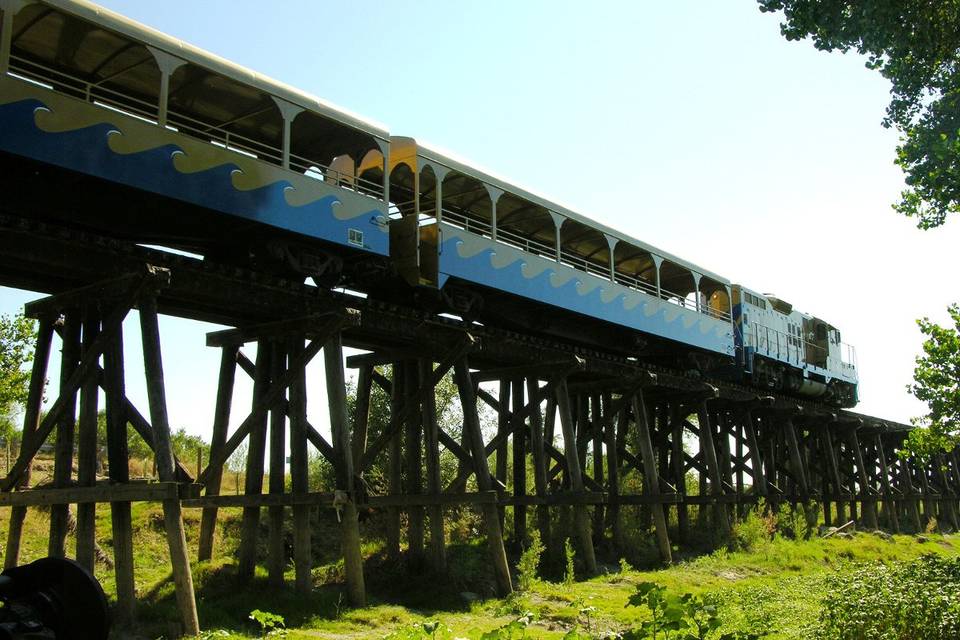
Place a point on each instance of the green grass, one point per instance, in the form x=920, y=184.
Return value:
x=777, y=586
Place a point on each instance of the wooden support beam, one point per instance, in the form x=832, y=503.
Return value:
x=394, y=464
x=107, y=493
x=256, y=427
x=313, y=326
x=540, y=371
x=277, y=389
x=713, y=468
x=328, y=500
x=87, y=450
x=63, y=453
x=679, y=469
x=343, y=450
x=413, y=442
x=471, y=426
x=276, y=553
x=173, y=521
x=651, y=479
x=431, y=436
x=110, y=328
x=869, y=505
x=521, y=435
x=221, y=422
x=299, y=471
x=361, y=419
x=412, y=406
x=112, y=290
x=597, y=423
x=891, y=506
x=539, y=460
x=119, y=473
x=581, y=522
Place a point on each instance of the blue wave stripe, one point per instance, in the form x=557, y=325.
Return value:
x=480, y=269
x=87, y=150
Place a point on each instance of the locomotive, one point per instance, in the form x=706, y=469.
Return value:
x=161, y=143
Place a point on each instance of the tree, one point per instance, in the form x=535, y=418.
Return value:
x=937, y=382
x=17, y=337
x=915, y=44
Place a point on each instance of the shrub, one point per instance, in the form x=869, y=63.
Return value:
x=529, y=562
x=568, y=554
x=754, y=531
x=919, y=599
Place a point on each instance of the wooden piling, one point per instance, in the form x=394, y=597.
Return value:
x=118, y=459
x=491, y=518
x=253, y=479
x=299, y=479
x=431, y=437
x=650, y=476
x=63, y=452
x=173, y=521
x=713, y=468
x=87, y=450
x=343, y=452
x=276, y=553
x=570, y=451
x=221, y=422
x=414, y=462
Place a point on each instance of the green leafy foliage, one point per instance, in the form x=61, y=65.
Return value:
x=271, y=624
x=17, y=337
x=529, y=562
x=919, y=600
x=678, y=617
x=915, y=44
x=569, y=574
x=514, y=630
x=936, y=381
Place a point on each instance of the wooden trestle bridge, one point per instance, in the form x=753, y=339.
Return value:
x=584, y=418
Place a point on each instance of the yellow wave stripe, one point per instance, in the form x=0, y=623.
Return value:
x=131, y=136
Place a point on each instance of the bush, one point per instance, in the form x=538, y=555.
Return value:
x=919, y=599
x=754, y=531
x=529, y=562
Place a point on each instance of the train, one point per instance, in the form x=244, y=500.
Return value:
x=163, y=144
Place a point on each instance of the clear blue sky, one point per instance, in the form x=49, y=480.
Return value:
x=692, y=125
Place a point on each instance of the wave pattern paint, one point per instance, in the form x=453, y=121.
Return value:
x=480, y=260
x=40, y=124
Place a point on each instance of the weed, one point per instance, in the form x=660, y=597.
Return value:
x=529, y=562
x=568, y=574
x=271, y=624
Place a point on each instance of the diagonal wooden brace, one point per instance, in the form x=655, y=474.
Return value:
x=412, y=404
x=333, y=324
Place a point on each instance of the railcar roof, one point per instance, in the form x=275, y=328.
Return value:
x=159, y=40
